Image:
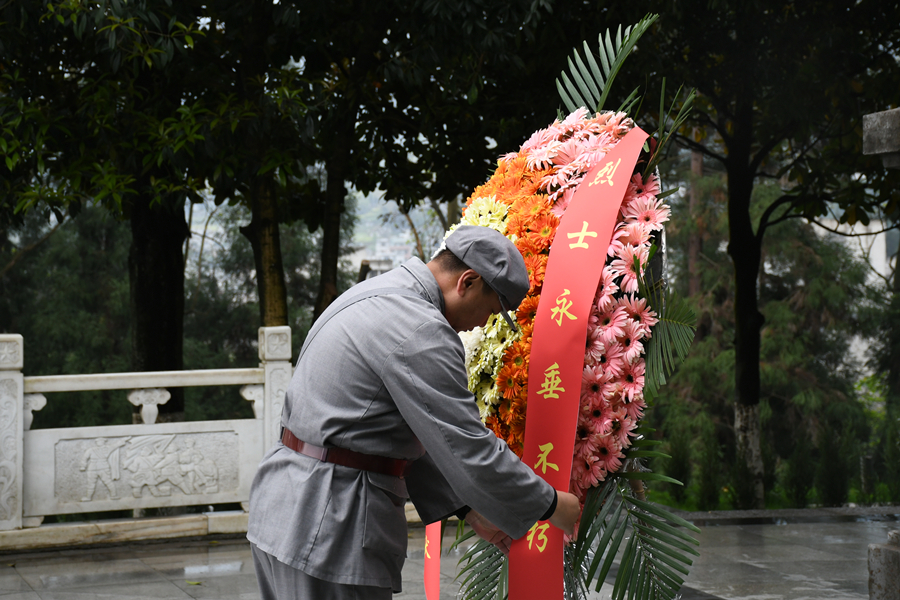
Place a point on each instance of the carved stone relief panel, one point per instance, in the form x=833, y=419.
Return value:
x=109, y=468
x=274, y=343
x=279, y=378
x=9, y=435
x=11, y=352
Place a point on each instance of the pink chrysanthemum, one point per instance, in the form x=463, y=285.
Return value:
x=635, y=234
x=586, y=427
x=630, y=340
x=609, y=454
x=611, y=323
x=622, y=429
x=647, y=210
x=624, y=265
x=593, y=381
x=633, y=379
x=538, y=139
x=635, y=408
x=637, y=187
x=638, y=311
x=541, y=157
x=594, y=347
x=600, y=416
x=613, y=360
x=606, y=290
x=562, y=201
x=571, y=123
x=567, y=152
x=616, y=244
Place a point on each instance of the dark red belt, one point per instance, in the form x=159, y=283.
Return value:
x=396, y=467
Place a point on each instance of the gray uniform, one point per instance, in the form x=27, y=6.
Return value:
x=384, y=376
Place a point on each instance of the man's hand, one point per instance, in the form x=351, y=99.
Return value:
x=489, y=532
x=567, y=512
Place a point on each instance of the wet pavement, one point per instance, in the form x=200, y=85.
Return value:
x=781, y=560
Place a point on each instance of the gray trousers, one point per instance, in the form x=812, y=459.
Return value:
x=278, y=581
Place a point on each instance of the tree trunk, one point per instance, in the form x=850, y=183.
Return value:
x=331, y=246
x=892, y=397
x=745, y=249
x=156, y=275
x=694, y=242
x=335, y=193
x=263, y=234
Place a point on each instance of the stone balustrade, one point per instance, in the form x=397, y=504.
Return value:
x=147, y=465
x=884, y=569
x=881, y=136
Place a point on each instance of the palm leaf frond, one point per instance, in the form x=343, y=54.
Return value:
x=484, y=572
x=672, y=335
x=656, y=555
x=668, y=124
x=590, y=82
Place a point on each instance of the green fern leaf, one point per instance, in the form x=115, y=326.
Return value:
x=594, y=81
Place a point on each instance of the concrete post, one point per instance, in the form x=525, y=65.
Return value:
x=275, y=357
x=12, y=426
x=881, y=136
x=884, y=569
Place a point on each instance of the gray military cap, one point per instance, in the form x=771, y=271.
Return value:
x=493, y=256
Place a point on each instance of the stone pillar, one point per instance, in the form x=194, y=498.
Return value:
x=884, y=569
x=275, y=357
x=881, y=136
x=12, y=426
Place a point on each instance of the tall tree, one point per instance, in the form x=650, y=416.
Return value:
x=813, y=294
x=133, y=104
x=84, y=100
x=783, y=87
x=408, y=100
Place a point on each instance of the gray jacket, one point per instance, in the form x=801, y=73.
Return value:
x=384, y=376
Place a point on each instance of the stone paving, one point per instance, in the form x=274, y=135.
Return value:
x=766, y=561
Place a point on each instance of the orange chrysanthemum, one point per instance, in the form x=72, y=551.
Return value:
x=504, y=412
x=527, y=247
x=515, y=355
x=528, y=310
x=532, y=181
x=526, y=332
x=509, y=381
x=542, y=230
x=536, y=266
x=499, y=429
x=532, y=206
x=517, y=225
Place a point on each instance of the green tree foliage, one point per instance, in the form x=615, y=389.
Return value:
x=814, y=295
x=800, y=472
x=782, y=90
x=408, y=98
x=69, y=298
x=88, y=113
x=679, y=437
x=709, y=465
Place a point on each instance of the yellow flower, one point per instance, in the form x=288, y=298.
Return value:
x=488, y=212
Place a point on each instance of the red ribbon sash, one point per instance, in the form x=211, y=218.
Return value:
x=574, y=266
x=433, y=561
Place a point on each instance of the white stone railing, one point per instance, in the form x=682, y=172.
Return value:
x=149, y=465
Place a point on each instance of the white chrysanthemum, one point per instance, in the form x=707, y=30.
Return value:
x=485, y=347
x=488, y=394
x=470, y=340
x=487, y=212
